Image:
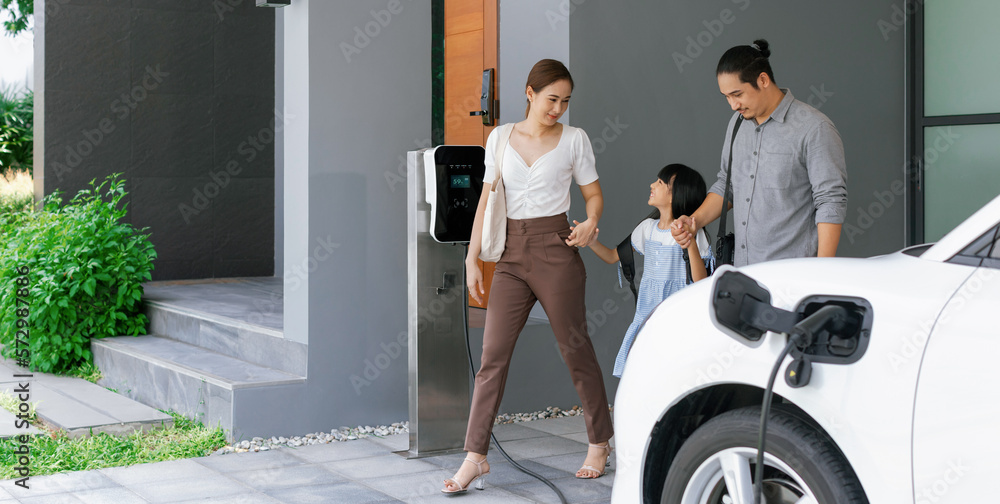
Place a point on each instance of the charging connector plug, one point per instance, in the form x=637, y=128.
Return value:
x=830, y=318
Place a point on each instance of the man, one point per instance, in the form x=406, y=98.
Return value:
x=789, y=180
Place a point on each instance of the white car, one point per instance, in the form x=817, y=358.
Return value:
x=900, y=406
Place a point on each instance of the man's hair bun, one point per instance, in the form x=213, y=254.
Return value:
x=762, y=46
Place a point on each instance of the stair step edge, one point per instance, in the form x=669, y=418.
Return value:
x=218, y=319
x=201, y=374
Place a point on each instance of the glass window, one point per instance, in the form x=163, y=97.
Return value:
x=960, y=57
x=982, y=245
x=961, y=174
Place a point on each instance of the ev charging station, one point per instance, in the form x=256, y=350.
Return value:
x=442, y=194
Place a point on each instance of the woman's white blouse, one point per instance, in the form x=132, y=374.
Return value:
x=542, y=189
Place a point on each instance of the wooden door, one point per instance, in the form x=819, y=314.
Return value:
x=470, y=46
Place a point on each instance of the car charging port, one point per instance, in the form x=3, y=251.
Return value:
x=809, y=340
x=832, y=330
x=828, y=329
x=841, y=340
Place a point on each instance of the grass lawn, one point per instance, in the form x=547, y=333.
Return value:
x=53, y=452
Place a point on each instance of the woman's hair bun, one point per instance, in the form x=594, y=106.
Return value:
x=762, y=46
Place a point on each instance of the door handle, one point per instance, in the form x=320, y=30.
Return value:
x=487, y=104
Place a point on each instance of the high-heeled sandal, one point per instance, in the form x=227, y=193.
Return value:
x=480, y=480
x=607, y=462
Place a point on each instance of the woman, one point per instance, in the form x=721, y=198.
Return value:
x=541, y=262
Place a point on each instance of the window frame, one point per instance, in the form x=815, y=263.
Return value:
x=916, y=122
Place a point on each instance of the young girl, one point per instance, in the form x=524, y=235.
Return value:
x=678, y=190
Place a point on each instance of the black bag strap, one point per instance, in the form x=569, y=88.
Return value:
x=627, y=259
x=729, y=180
x=687, y=265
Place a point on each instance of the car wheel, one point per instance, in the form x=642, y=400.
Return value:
x=801, y=465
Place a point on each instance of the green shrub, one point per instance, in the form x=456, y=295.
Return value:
x=86, y=272
x=19, y=13
x=16, y=133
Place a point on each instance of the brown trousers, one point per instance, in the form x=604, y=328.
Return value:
x=537, y=265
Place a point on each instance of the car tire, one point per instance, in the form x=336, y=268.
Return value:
x=800, y=460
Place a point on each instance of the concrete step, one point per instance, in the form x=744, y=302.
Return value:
x=78, y=406
x=191, y=380
x=9, y=426
x=228, y=329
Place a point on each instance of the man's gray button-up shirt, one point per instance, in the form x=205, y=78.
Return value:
x=789, y=174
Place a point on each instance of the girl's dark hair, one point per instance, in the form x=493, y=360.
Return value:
x=747, y=61
x=687, y=192
x=546, y=72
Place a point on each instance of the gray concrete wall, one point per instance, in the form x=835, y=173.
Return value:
x=530, y=30
x=279, y=145
x=647, y=95
x=356, y=104
x=168, y=93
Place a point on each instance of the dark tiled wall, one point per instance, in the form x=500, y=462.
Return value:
x=169, y=93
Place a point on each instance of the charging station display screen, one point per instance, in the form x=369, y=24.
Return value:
x=461, y=181
x=458, y=176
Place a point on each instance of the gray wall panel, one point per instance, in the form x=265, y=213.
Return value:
x=172, y=135
x=87, y=48
x=295, y=141
x=354, y=115
x=530, y=30
x=180, y=43
x=168, y=93
x=174, y=257
x=279, y=145
x=647, y=95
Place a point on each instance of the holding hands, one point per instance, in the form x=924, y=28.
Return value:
x=582, y=234
x=683, y=229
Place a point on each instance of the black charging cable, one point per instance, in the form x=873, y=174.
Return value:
x=765, y=409
x=801, y=336
x=472, y=366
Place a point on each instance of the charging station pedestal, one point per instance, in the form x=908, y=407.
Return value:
x=442, y=192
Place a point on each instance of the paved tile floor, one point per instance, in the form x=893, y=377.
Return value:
x=356, y=472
